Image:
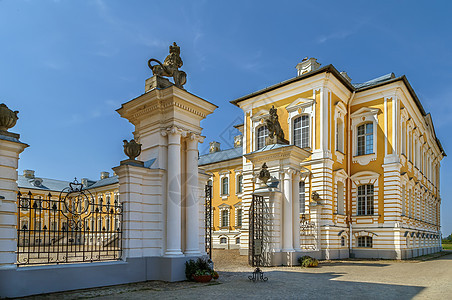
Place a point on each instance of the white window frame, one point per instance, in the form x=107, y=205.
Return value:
x=224, y=174
x=257, y=120
x=302, y=136
x=301, y=106
x=238, y=206
x=221, y=208
x=340, y=176
x=362, y=178
x=340, y=112
x=364, y=115
x=257, y=137
x=238, y=173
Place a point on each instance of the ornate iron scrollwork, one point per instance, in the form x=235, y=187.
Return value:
x=76, y=204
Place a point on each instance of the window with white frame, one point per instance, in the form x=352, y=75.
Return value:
x=239, y=188
x=301, y=194
x=223, y=240
x=224, y=218
x=262, y=133
x=340, y=135
x=365, y=241
x=340, y=198
x=301, y=131
x=237, y=240
x=238, y=221
x=366, y=199
x=403, y=138
x=365, y=139
x=225, y=186
x=403, y=201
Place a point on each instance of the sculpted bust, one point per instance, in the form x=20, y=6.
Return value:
x=170, y=66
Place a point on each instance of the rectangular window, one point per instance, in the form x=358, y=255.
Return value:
x=366, y=200
x=224, y=218
x=301, y=131
x=239, y=217
x=262, y=133
x=340, y=198
x=365, y=241
x=340, y=135
x=224, y=186
x=365, y=139
x=301, y=191
x=239, y=184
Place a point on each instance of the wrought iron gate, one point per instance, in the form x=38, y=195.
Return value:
x=208, y=220
x=69, y=228
x=256, y=240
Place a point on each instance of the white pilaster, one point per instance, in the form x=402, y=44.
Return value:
x=10, y=148
x=173, y=209
x=192, y=210
x=296, y=211
x=287, y=212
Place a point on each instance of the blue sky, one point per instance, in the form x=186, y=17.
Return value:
x=67, y=65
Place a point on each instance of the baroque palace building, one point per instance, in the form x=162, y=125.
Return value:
x=368, y=152
x=359, y=177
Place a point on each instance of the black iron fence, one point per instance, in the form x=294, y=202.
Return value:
x=67, y=228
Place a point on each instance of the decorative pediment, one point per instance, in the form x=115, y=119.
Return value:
x=263, y=113
x=238, y=204
x=364, y=111
x=364, y=175
x=341, y=174
x=341, y=107
x=224, y=206
x=299, y=103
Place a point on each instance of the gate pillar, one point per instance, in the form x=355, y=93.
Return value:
x=10, y=148
x=163, y=190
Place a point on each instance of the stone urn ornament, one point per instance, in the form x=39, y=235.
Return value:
x=8, y=118
x=132, y=149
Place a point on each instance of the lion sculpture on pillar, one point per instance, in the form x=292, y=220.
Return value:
x=170, y=67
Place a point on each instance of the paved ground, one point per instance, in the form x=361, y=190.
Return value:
x=349, y=279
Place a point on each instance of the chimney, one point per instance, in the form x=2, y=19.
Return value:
x=214, y=147
x=104, y=175
x=307, y=65
x=238, y=141
x=29, y=174
x=345, y=75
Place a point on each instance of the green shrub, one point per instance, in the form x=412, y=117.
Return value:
x=308, y=262
x=199, y=267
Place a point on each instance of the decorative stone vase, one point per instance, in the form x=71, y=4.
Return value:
x=8, y=118
x=202, y=278
x=132, y=149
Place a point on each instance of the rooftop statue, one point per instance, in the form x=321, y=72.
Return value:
x=275, y=133
x=170, y=67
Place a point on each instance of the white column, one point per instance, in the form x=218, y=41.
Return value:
x=296, y=211
x=10, y=148
x=287, y=212
x=192, y=209
x=173, y=203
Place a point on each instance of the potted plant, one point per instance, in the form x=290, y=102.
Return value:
x=200, y=270
x=308, y=262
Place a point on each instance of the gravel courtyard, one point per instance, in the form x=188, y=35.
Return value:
x=348, y=279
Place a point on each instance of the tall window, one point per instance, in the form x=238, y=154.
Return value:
x=403, y=201
x=404, y=138
x=225, y=186
x=365, y=139
x=340, y=198
x=365, y=241
x=301, y=131
x=262, y=133
x=239, y=184
x=366, y=199
x=239, y=217
x=340, y=135
x=301, y=188
x=224, y=218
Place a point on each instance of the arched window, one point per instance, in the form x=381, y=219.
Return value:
x=262, y=133
x=223, y=240
x=340, y=135
x=365, y=139
x=225, y=186
x=301, y=131
x=366, y=199
x=224, y=218
x=340, y=198
x=301, y=190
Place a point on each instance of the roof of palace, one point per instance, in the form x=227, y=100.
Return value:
x=220, y=156
x=54, y=185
